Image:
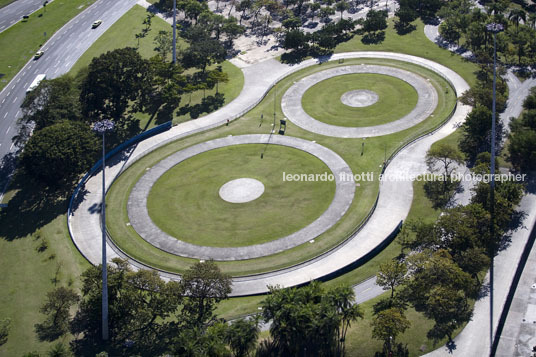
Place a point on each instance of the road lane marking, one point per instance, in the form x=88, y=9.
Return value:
x=18, y=80
x=14, y=100
x=5, y=115
x=18, y=112
x=3, y=100
x=11, y=147
x=8, y=93
x=7, y=131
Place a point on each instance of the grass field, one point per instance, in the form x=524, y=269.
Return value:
x=201, y=217
x=5, y=3
x=123, y=34
x=323, y=100
x=417, y=44
x=375, y=151
x=37, y=255
x=28, y=35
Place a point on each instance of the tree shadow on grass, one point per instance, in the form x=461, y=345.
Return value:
x=47, y=332
x=33, y=206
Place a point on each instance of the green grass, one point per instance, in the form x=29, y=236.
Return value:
x=27, y=275
x=122, y=34
x=417, y=44
x=28, y=35
x=200, y=216
x=349, y=149
x=5, y=3
x=323, y=100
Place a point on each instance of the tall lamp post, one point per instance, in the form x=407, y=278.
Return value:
x=102, y=127
x=174, y=31
x=494, y=28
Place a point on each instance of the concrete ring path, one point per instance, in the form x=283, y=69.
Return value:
x=142, y=223
x=293, y=110
x=394, y=200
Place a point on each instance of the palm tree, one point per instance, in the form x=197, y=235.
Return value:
x=343, y=298
x=532, y=20
x=516, y=15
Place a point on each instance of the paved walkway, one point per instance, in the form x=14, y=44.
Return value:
x=144, y=225
x=293, y=110
x=394, y=200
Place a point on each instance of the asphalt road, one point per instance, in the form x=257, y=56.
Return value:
x=62, y=51
x=13, y=13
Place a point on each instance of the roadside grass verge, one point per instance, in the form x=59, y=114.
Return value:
x=28, y=35
x=4, y=3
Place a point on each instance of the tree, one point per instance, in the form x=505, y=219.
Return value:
x=391, y=275
x=295, y=40
x=232, y=30
x=477, y=131
x=243, y=6
x=56, y=307
x=164, y=44
x=192, y=9
x=522, y=149
x=114, y=80
x=373, y=25
x=242, y=336
x=203, y=53
x=205, y=286
x=59, y=350
x=406, y=15
x=52, y=101
x=343, y=299
x=309, y=319
x=60, y=153
x=388, y=324
x=517, y=15
x=5, y=325
x=449, y=32
x=342, y=6
x=442, y=159
x=142, y=311
x=430, y=269
x=449, y=308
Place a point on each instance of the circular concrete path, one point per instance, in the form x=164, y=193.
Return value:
x=142, y=223
x=241, y=190
x=293, y=110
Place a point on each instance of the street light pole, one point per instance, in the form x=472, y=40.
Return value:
x=174, y=31
x=102, y=127
x=494, y=28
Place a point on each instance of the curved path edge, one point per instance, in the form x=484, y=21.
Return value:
x=148, y=230
x=291, y=103
x=394, y=200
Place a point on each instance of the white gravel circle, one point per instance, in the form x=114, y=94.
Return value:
x=359, y=98
x=241, y=190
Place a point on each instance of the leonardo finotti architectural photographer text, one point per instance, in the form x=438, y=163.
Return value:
x=371, y=176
